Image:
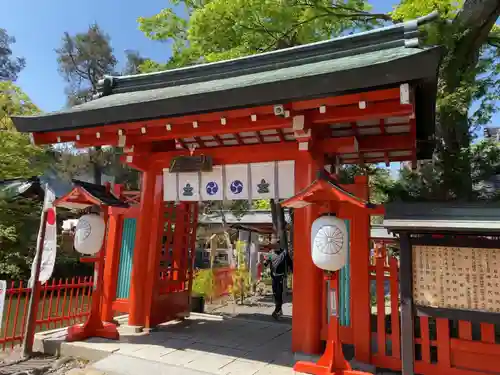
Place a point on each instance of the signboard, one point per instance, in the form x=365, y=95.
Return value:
x=3, y=293
x=191, y=164
x=457, y=278
x=232, y=182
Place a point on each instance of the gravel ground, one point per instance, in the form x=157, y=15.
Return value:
x=12, y=363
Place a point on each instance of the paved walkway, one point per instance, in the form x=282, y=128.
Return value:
x=256, y=307
x=202, y=344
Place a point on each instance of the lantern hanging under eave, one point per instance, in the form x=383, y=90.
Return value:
x=329, y=243
x=89, y=234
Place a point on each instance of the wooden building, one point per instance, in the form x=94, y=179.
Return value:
x=363, y=98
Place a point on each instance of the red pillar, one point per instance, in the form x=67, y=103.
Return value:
x=360, y=282
x=137, y=310
x=307, y=278
x=112, y=259
x=155, y=243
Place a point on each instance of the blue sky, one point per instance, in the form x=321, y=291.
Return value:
x=39, y=25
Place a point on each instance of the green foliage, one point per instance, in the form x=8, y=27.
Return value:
x=261, y=204
x=84, y=59
x=242, y=285
x=469, y=73
x=9, y=66
x=426, y=182
x=134, y=61
x=19, y=222
x=204, y=283
x=18, y=157
x=217, y=29
x=411, y=9
x=72, y=163
x=378, y=179
x=19, y=218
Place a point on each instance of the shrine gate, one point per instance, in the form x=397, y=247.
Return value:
x=363, y=98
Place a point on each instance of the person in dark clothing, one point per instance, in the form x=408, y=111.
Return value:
x=279, y=262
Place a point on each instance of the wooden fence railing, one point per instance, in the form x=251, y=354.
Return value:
x=223, y=279
x=442, y=346
x=61, y=303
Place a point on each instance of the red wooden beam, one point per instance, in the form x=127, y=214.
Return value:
x=374, y=143
x=382, y=126
x=398, y=158
x=352, y=113
x=370, y=96
x=281, y=135
x=388, y=108
x=230, y=155
x=339, y=109
x=280, y=151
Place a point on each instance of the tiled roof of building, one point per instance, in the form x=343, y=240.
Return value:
x=355, y=63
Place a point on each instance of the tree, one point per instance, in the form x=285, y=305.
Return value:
x=84, y=59
x=19, y=219
x=133, y=62
x=216, y=30
x=9, y=66
x=18, y=157
x=469, y=72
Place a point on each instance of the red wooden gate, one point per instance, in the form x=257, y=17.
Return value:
x=176, y=261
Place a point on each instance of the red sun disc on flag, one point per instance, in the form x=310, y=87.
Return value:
x=51, y=216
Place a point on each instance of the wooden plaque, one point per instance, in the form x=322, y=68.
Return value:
x=456, y=278
x=185, y=164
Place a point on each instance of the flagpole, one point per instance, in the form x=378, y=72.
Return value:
x=29, y=332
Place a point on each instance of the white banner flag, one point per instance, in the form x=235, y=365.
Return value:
x=3, y=293
x=232, y=182
x=50, y=239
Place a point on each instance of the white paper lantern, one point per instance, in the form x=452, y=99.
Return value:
x=89, y=234
x=329, y=241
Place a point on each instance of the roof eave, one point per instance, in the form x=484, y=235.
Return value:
x=421, y=67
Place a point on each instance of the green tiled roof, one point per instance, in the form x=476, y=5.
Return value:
x=365, y=61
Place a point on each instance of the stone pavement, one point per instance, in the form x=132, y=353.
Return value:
x=255, y=307
x=202, y=344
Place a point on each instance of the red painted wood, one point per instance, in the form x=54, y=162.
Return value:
x=113, y=248
x=465, y=330
x=121, y=305
x=488, y=333
x=360, y=255
x=55, y=314
x=425, y=336
x=141, y=251
x=373, y=99
x=156, y=227
x=308, y=279
x=475, y=355
x=379, y=279
x=443, y=337
x=394, y=288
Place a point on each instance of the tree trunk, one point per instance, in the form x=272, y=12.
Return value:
x=470, y=31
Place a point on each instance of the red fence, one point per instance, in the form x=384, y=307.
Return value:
x=442, y=346
x=61, y=303
x=223, y=279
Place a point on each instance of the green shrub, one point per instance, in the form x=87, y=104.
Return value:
x=241, y=277
x=204, y=283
